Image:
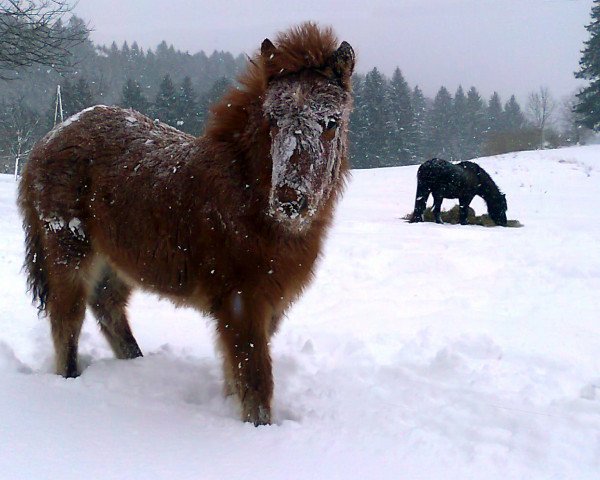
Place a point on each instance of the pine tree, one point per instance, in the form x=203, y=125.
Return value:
x=211, y=97
x=358, y=124
x=186, y=108
x=401, y=136
x=419, y=105
x=476, y=124
x=376, y=120
x=82, y=96
x=513, y=132
x=513, y=117
x=588, y=108
x=108, y=68
x=459, y=125
x=440, y=126
x=133, y=97
x=494, y=114
x=136, y=52
x=126, y=52
x=165, y=102
x=114, y=49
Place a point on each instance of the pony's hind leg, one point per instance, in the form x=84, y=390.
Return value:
x=108, y=300
x=66, y=311
x=244, y=330
x=65, y=261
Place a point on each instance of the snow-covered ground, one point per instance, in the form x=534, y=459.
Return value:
x=420, y=352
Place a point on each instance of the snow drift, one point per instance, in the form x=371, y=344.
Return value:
x=420, y=351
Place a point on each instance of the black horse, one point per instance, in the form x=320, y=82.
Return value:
x=463, y=181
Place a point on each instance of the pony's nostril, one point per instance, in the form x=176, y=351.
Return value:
x=289, y=209
x=294, y=208
x=302, y=204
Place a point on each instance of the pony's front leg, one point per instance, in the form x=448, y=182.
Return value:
x=437, y=208
x=464, y=209
x=243, y=327
x=420, y=204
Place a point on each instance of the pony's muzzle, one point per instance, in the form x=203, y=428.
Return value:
x=292, y=204
x=291, y=208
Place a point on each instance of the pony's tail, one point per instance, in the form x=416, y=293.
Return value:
x=37, y=278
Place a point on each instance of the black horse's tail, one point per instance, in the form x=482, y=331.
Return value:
x=37, y=279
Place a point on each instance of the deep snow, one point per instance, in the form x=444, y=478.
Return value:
x=420, y=352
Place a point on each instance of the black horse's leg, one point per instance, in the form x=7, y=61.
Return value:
x=420, y=203
x=464, y=203
x=437, y=208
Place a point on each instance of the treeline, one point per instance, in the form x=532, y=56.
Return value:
x=112, y=75
x=107, y=69
x=392, y=123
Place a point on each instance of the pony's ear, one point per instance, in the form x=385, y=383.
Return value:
x=342, y=62
x=267, y=49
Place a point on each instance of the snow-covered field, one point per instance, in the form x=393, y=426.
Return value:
x=420, y=352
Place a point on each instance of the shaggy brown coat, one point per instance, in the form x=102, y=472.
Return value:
x=112, y=200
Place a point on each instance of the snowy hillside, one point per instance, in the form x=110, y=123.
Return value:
x=420, y=352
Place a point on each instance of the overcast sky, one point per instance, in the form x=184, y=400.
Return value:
x=512, y=46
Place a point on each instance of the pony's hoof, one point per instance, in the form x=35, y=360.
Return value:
x=69, y=373
x=255, y=412
x=69, y=370
x=259, y=416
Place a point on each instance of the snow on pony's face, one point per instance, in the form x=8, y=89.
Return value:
x=308, y=114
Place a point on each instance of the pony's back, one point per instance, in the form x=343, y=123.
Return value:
x=433, y=169
x=444, y=178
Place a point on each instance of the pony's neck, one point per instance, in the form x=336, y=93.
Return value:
x=238, y=136
x=490, y=192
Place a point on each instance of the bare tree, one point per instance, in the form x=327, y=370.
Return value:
x=570, y=122
x=18, y=124
x=540, y=107
x=31, y=33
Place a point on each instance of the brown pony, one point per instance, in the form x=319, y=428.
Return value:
x=230, y=223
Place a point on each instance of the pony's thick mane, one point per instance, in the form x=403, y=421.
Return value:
x=303, y=47
x=483, y=175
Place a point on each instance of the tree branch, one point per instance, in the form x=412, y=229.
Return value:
x=32, y=33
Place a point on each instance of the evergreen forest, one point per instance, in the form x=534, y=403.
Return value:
x=393, y=123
